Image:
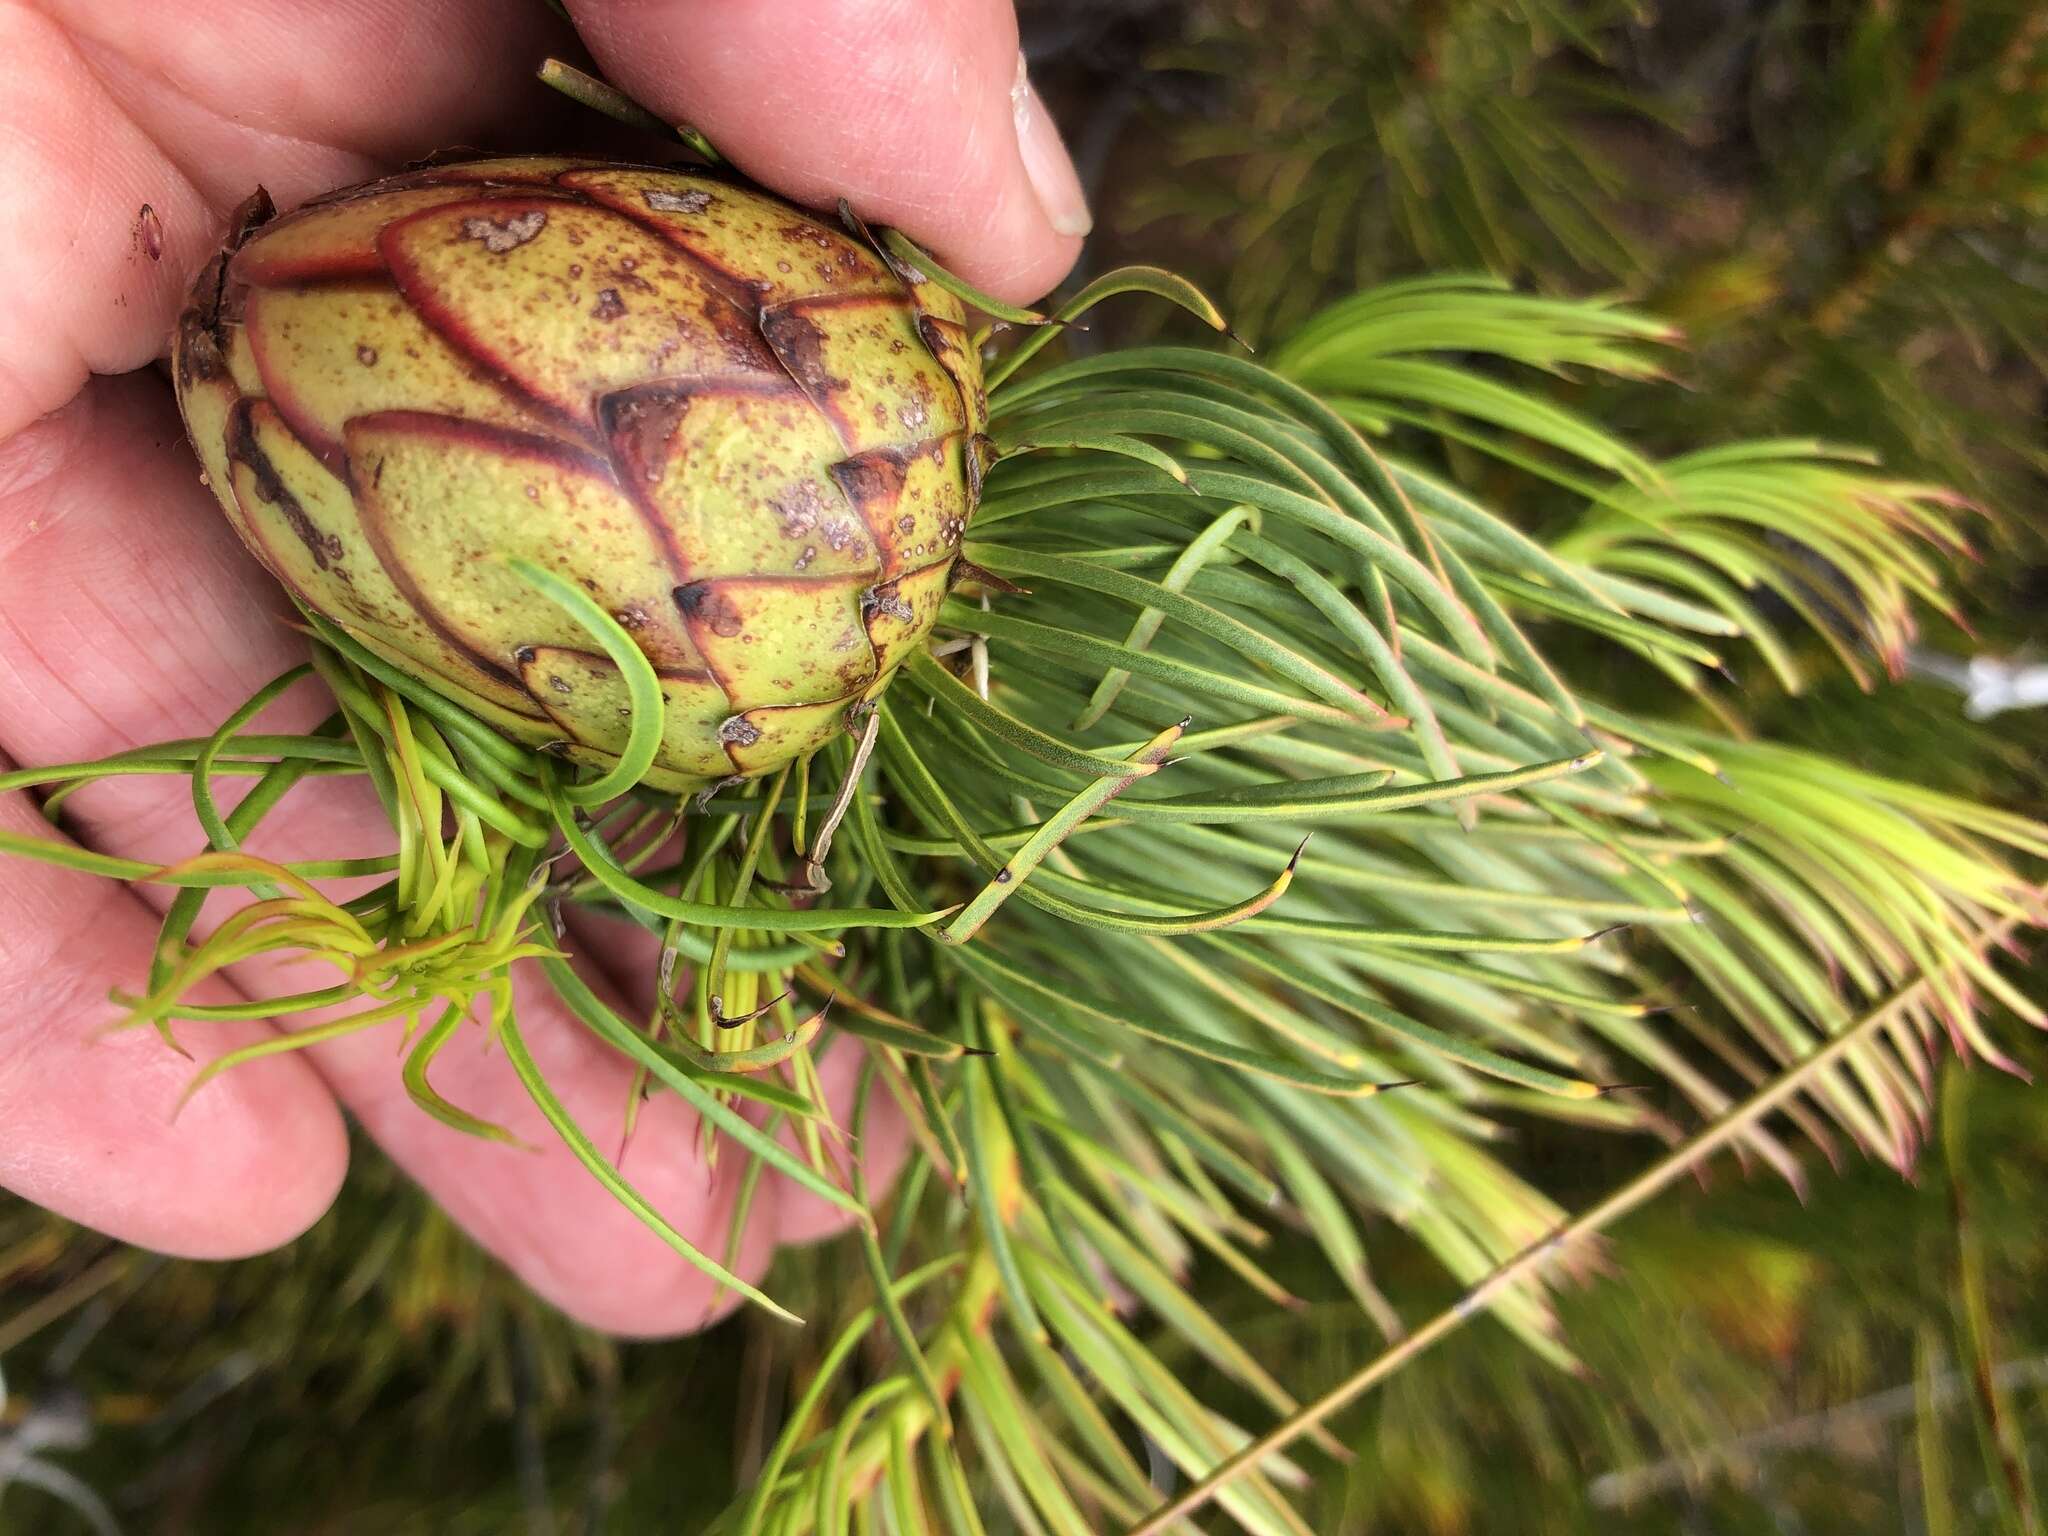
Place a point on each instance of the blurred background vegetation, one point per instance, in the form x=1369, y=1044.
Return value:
x=1840, y=203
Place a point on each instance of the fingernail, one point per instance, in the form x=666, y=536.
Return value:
x=1045, y=160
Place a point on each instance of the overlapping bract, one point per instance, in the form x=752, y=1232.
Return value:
x=740, y=430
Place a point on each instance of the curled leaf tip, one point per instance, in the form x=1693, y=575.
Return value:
x=719, y=1018
x=965, y=571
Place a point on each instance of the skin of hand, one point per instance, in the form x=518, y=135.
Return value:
x=129, y=613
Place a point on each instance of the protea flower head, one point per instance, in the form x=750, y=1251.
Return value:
x=740, y=430
x=675, y=475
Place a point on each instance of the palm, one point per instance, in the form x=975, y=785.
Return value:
x=129, y=613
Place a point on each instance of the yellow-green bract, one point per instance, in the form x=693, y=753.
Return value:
x=751, y=439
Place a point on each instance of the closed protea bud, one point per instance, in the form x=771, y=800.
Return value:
x=743, y=433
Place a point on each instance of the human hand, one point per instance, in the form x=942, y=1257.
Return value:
x=129, y=612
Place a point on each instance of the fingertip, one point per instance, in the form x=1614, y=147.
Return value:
x=273, y=1186
x=916, y=112
x=95, y=1129
x=1047, y=165
x=246, y=1165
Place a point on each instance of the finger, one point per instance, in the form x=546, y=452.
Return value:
x=89, y=1126
x=89, y=1121
x=632, y=956
x=915, y=111
x=111, y=104
x=118, y=629
x=534, y=1205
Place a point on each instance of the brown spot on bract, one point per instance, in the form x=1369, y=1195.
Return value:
x=641, y=425
x=609, y=305
x=843, y=537
x=661, y=201
x=626, y=273
x=702, y=601
x=799, y=507
x=739, y=731
x=366, y=355
x=501, y=235
x=800, y=345
x=810, y=234
x=736, y=334
x=873, y=480
x=325, y=548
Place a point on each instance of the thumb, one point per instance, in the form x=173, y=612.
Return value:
x=917, y=112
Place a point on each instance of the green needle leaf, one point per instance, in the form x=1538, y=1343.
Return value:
x=1048, y=837
x=601, y=1169
x=588, y=1007
x=643, y=686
